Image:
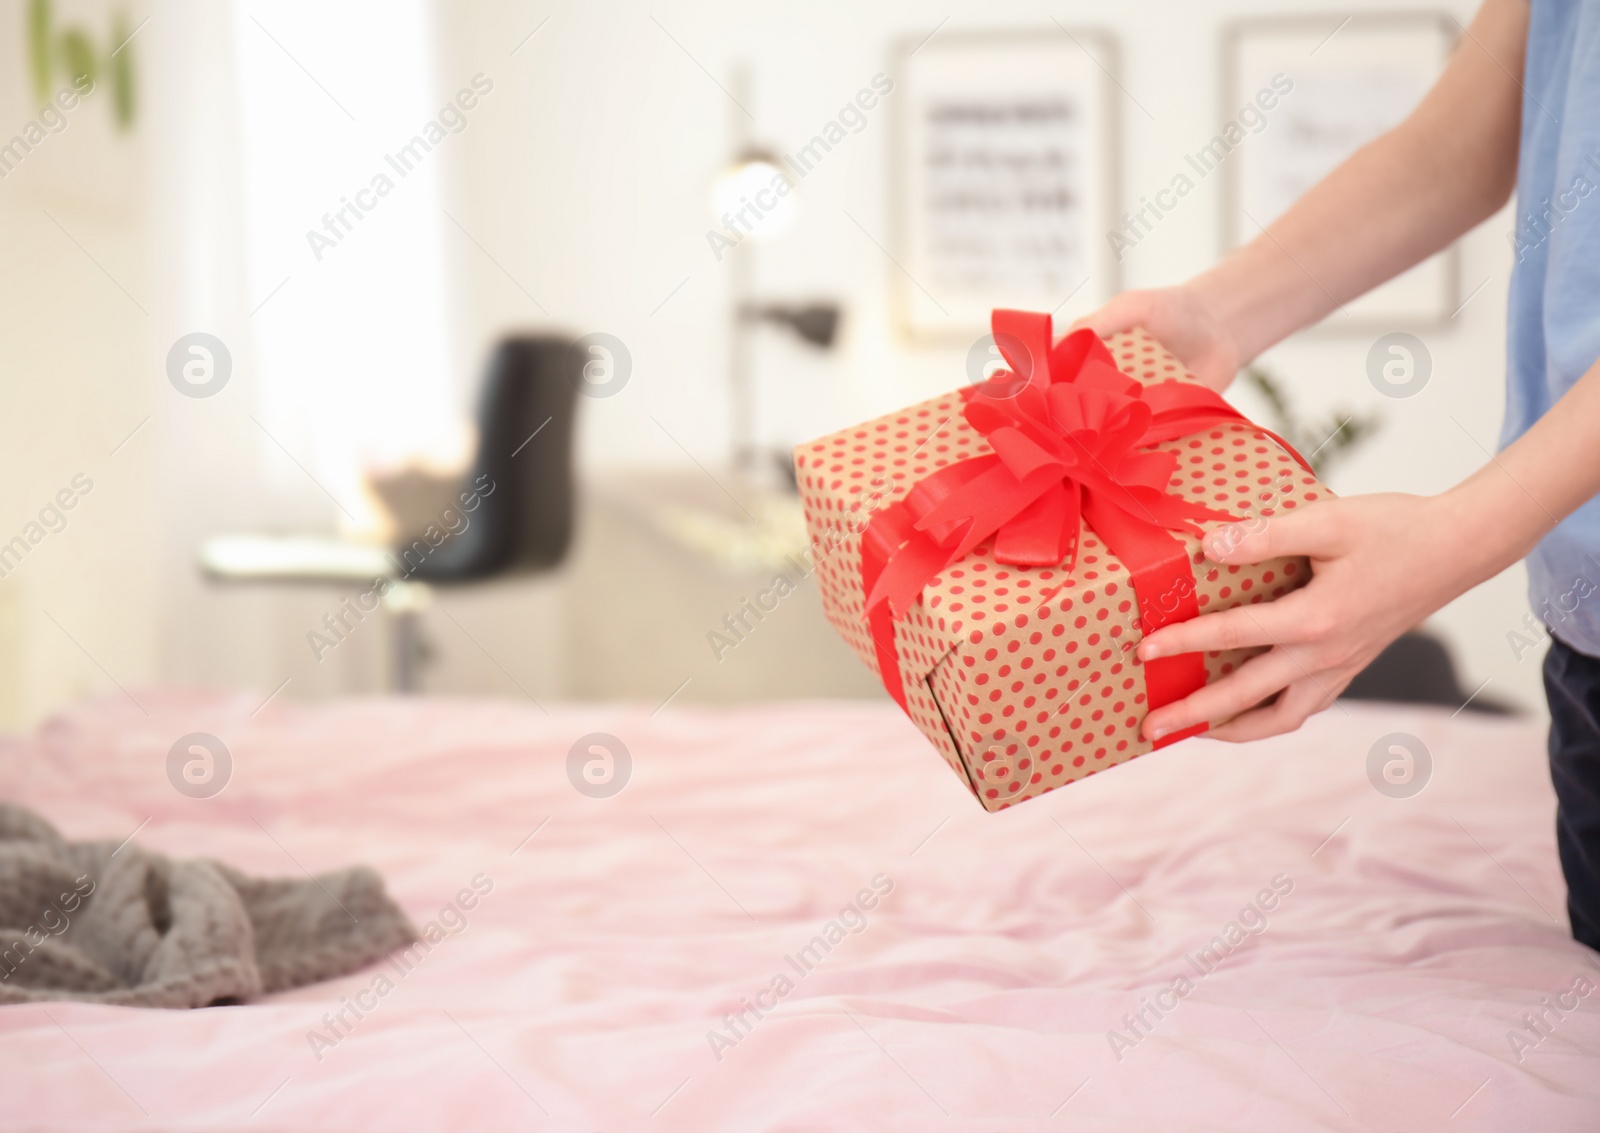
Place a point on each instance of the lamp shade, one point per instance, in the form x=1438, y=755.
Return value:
x=754, y=197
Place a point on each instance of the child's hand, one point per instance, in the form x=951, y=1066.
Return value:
x=1380, y=564
x=1177, y=317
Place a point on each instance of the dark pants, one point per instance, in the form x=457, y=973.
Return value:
x=1572, y=685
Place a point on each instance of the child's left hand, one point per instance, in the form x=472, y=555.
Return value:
x=1380, y=564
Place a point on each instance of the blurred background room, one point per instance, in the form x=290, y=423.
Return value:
x=541, y=294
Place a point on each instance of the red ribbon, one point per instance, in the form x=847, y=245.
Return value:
x=1071, y=436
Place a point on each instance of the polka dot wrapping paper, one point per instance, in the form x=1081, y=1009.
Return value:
x=1024, y=678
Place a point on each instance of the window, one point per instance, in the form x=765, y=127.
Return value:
x=343, y=239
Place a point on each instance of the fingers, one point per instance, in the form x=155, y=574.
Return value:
x=1243, y=627
x=1175, y=317
x=1124, y=312
x=1244, y=688
x=1300, y=700
x=1317, y=530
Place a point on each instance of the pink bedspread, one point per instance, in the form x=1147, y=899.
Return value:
x=977, y=989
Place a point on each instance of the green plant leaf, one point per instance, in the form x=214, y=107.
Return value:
x=78, y=54
x=1322, y=443
x=1267, y=385
x=123, y=94
x=39, y=21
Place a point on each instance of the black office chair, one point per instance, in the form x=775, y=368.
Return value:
x=1416, y=668
x=525, y=417
x=521, y=524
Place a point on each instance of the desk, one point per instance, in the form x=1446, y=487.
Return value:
x=663, y=560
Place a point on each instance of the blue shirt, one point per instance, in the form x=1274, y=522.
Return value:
x=1553, y=329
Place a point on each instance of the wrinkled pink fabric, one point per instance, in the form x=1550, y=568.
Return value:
x=580, y=993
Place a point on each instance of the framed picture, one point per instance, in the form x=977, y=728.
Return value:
x=1005, y=178
x=1350, y=78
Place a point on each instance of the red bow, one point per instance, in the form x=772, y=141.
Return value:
x=1071, y=436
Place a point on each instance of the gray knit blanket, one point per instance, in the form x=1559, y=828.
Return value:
x=92, y=921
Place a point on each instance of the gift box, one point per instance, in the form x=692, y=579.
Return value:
x=996, y=554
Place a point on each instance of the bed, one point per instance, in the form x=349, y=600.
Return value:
x=623, y=960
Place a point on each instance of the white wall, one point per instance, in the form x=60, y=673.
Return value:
x=76, y=616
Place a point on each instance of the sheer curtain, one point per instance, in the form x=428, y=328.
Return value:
x=342, y=240
x=260, y=118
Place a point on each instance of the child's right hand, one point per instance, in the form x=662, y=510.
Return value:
x=1178, y=317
